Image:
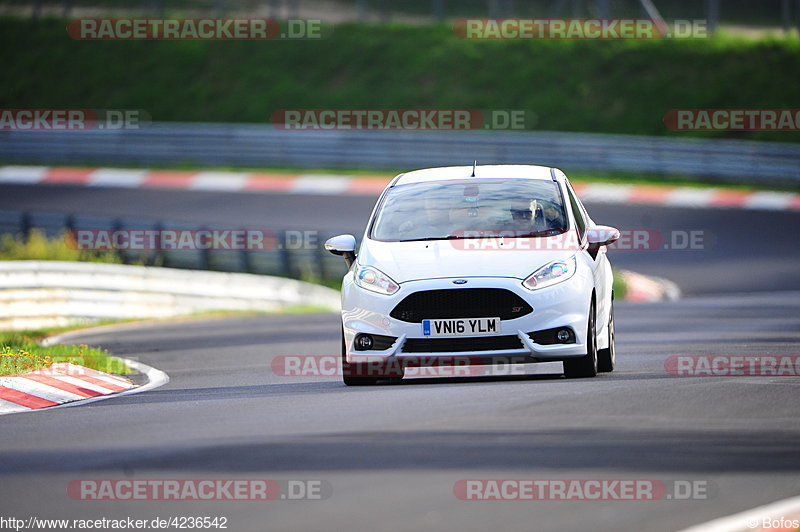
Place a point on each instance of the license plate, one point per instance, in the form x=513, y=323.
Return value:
x=461, y=327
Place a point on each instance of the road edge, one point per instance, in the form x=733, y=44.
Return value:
x=785, y=509
x=155, y=379
x=260, y=182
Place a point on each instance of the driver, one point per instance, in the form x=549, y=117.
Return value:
x=553, y=217
x=524, y=216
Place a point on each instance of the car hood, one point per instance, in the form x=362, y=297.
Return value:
x=434, y=259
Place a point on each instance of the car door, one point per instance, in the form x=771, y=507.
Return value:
x=596, y=257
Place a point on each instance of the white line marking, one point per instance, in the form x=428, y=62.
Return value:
x=690, y=197
x=114, y=177
x=777, y=201
x=320, y=184
x=222, y=181
x=26, y=175
x=742, y=521
x=605, y=193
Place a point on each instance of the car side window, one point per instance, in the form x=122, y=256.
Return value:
x=580, y=222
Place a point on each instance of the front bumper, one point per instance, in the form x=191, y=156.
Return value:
x=562, y=305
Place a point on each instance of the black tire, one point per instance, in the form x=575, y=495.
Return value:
x=585, y=366
x=607, y=358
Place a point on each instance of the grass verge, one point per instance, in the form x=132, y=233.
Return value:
x=38, y=247
x=620, y=287
x=615, y=86
x=21, y=353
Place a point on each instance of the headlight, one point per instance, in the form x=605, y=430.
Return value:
x=374, y=280
x=551, y=273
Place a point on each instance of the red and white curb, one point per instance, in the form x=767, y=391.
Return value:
x=253, y=182
x=778, y=516
x=648, y=289
x=67, y=384
x=58, y=384
x=688, y=196
x=210, y=181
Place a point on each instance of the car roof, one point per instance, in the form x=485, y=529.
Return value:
x=447, y=173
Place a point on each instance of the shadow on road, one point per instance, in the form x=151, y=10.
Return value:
x=561, y=450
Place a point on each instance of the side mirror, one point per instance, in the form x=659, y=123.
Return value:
x=344, y=245
x=602, y=235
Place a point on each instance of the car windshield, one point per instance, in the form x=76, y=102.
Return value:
x=476, y=208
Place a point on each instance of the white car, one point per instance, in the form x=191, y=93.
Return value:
x=489, y=264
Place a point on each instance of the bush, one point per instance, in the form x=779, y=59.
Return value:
x=38, y=247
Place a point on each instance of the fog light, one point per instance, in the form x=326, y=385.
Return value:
x=363, y=342
x=564, y=335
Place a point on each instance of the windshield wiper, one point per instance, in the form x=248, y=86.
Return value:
x=428, y=238
x=546, y=232
x=532, y=234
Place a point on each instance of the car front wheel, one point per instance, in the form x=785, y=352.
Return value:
x=607, y=358
x=585, y=366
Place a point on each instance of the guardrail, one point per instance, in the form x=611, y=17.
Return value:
x=287, y=254
x=51, y=293
x=249, y=145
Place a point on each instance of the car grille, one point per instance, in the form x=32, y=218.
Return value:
x=461, y=303
x=455, y=345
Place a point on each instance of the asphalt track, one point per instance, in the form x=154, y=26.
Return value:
x=390, y=456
